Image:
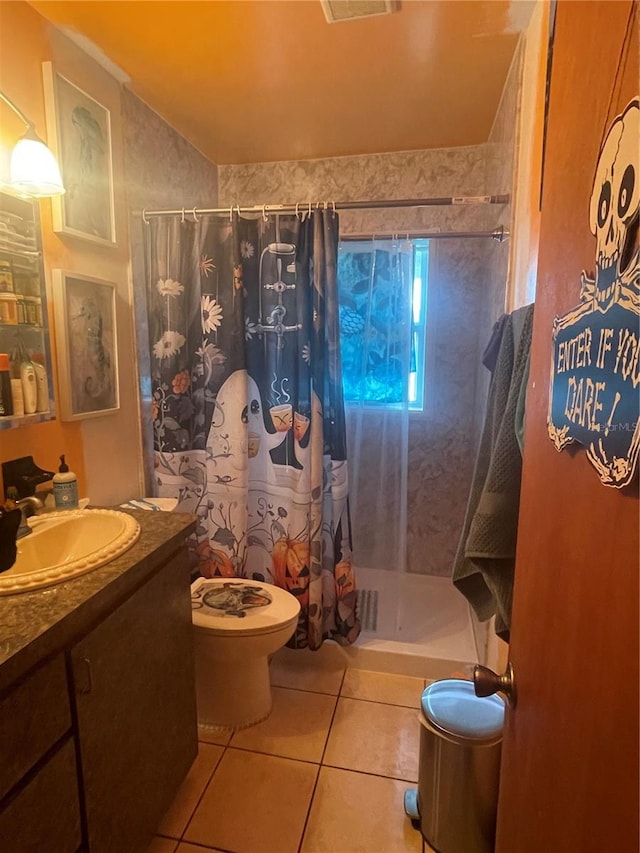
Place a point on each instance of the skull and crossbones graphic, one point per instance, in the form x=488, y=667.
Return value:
x=613, y=289
x=613, y=214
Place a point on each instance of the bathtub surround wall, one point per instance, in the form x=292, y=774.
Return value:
x=442, y=438
x=163, y=171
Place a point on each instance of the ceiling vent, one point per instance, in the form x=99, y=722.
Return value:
x=348, y=10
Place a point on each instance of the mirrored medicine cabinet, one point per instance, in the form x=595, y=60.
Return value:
x=24, y=322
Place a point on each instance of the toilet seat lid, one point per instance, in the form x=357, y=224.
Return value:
x=240, y=605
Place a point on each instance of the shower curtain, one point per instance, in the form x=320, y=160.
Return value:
x=247, y=404
x=376, y=279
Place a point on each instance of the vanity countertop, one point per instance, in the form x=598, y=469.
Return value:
x=35, y=625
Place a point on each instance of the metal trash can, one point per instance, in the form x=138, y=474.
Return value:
x=459, y=766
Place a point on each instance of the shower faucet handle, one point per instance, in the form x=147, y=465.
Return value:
x=280, y=286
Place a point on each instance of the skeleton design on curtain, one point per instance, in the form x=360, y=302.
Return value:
x=247, y=406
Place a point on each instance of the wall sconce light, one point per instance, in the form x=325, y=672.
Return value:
x=34, y=170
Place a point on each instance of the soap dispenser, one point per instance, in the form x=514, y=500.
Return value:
x=65, y=487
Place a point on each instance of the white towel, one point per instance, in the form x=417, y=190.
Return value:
x=152, y=504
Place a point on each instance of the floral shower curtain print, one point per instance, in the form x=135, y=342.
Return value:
x=247, y=407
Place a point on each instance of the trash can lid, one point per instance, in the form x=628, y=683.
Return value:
x=452, y=705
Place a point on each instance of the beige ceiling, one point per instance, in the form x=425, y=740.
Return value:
x=263, y=80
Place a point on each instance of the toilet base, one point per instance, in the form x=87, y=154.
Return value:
x=232, y=694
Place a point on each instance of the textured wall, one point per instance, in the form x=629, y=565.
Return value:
x=442, y=442
x=501, y=169
x=411, y=174
x=163, y=171
x=442, y=439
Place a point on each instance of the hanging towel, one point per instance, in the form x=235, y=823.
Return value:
x=153, y=504
x=485, y=561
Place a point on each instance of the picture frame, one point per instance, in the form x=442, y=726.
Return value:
x=79, y=134
x=86, y=348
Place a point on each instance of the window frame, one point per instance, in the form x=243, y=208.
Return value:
x=419, y=326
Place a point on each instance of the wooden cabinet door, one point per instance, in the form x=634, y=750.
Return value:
x=569, y=779
x=45, y=815
x=135, y=696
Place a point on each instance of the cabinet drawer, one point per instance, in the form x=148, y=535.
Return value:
x=33, y=716
x=45, y=815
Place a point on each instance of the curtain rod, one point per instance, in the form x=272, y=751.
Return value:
x=308, y=206
x=500, y=235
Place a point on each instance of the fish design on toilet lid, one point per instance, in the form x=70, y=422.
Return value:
x=231, y=599
x=240, y=605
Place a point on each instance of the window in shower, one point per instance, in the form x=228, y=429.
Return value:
x=382, y=288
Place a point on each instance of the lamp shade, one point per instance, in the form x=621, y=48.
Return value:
x=34, y=169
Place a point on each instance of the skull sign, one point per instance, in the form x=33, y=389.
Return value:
x=613, y=211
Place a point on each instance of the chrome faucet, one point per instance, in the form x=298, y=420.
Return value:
x=30, y=505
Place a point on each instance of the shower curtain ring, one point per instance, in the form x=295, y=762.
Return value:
x=264, y=214
x=310, y=206
x=144, y=216
x=333, y=208
x=182, y=216
x=193, y=213
x=297, y=214
x=231, y=213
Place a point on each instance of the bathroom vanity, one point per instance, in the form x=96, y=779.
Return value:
x=97, y=700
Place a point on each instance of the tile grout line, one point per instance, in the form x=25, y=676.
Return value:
x=375, y=775
x=324, y=749
x=380, y=702
x=208, y=782
x=341, y=695
x=275, y=755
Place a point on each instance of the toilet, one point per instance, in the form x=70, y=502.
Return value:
x=237, y=624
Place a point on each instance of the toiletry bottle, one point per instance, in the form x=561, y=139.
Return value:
x=18, y=399
x=65, y=487
x=42, y=385
x=29, y=387
x=6, y=400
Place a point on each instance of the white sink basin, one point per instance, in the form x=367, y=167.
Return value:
x=66, y=544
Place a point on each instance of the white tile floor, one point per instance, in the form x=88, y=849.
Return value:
x=326, y=772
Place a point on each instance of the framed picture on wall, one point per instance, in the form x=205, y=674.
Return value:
x=85, y=316
x=79, y=133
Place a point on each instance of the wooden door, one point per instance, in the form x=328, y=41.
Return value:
x=569, y=777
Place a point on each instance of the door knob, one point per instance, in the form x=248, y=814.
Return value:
x=486, y=682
